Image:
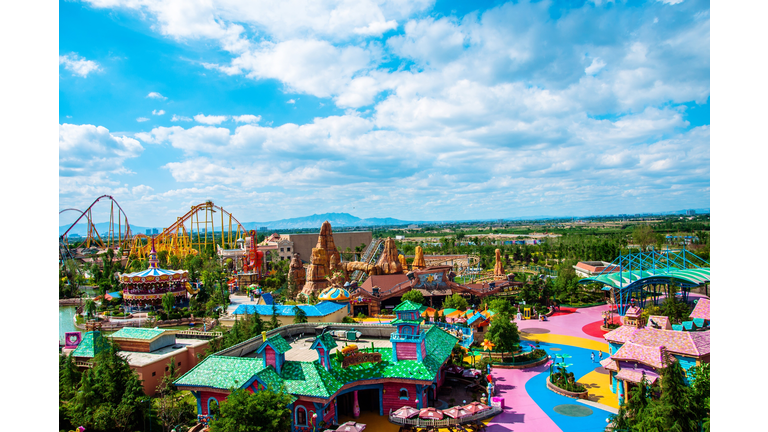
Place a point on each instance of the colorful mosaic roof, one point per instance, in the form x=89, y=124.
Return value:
x=626, y=278
x=222, y=372
x=635, y=376
x=278, y=343
x=407, y=306
x=327, y=341
x=137, y=333
x=311, y=379
x=407, y=321
x=609, y=364
x=650, y=355
x=321, y=309
x=91, y=344
x=701, y=310
x=693, y=344
x=334, y=294
x=660, y=321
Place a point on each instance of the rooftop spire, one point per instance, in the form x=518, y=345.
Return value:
x=153, y=256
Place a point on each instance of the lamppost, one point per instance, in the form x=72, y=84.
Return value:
x=314, y=418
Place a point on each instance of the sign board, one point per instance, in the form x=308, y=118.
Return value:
x=361, y=357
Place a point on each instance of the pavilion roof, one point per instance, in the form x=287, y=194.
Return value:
x=222, y=372
x=318, y=310
x=91, y=344
x=635, y=376
x=407, y=306
x=694, y=344
x=650, y=355
x=627, y=278
x=701, y=310
x=137, y=333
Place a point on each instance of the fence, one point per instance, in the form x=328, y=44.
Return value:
x=419, y=422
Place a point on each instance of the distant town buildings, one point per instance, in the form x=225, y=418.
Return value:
x=152, y=231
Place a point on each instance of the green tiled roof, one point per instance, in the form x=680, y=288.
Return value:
x=448, y=311
x=407, y=306
x=328, y=341
x=222, y=372
x=311, y=379
x=137, y=333
x=278, y=343
x=405, y=321
x=91, y=344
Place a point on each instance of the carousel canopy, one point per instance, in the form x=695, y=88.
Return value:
x=154, y=275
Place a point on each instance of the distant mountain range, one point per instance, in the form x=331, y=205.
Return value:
x=306, y=222
x=339, y=220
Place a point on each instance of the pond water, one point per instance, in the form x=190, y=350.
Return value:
x=66, y=323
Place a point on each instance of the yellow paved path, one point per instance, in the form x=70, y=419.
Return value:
x=567, y=340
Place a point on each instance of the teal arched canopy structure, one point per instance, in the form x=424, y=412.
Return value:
x=628, y=274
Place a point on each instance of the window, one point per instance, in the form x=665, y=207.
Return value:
x=179, y=364
x=288, y=249
x=154, y=373
x=281, y=249
x=301, y=416
x=403, y=394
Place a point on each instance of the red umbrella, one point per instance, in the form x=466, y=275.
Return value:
x=456, y=412
x=351, y=426
x=431, y=413
x=476, y=407
x=406, y=412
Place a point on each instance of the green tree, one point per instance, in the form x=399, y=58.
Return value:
x=109, y=397
x=273, y=321
x=503, y=334
x=501, y=306
x=415, y=296
x=300, y=316
x=168, y=301
x=644, y=236
x=69, y=377
x=171, y=410
x=89, y=307
x=456, y=301
x=263, y=411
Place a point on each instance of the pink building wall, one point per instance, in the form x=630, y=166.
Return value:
x=406, y=351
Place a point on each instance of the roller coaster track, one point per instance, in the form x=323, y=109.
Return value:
x=118, y=230
x=186, y=236
x=370, y=255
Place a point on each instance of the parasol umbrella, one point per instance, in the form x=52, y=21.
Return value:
x=351, y=426
x=405, y=412
x=456, y=412
x=431, y=413
x=476, y=407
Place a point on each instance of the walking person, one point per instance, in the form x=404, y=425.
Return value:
x=600, y=356
x=593, y=356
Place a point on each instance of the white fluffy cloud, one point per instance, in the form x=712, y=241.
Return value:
x=209, y=119
x=246, y=118
x=176, y=118
x=158, y=112
x=142, y=119
x=78, y=65
x=156, y=95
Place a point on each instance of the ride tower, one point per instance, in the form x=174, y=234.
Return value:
x=408, y=342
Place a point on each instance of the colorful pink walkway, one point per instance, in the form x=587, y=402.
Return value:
x=522, y=414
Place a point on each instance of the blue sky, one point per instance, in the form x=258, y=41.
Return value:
x=415, y=110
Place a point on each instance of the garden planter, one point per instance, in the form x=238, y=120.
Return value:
x=575, y=395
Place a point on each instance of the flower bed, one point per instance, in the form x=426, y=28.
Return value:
x=574, y=394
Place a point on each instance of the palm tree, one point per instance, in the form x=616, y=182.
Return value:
x=89, y=307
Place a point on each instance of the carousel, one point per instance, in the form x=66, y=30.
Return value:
x=147, y=287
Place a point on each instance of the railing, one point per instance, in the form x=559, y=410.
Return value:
x=368, y=255
x=84, y=364
x=419, y=422
x=396, y=337
x=195, y=334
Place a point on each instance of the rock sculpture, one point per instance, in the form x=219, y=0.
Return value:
x=498, y=269
x=297, y=274
x=403, y=262
x=316, y=273
x=418, y=260
x=325, y=242
x=388, y=261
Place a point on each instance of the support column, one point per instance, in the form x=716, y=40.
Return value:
x=381, y=401
x=355, y=406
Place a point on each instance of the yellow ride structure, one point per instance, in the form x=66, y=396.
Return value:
x=194, y=231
